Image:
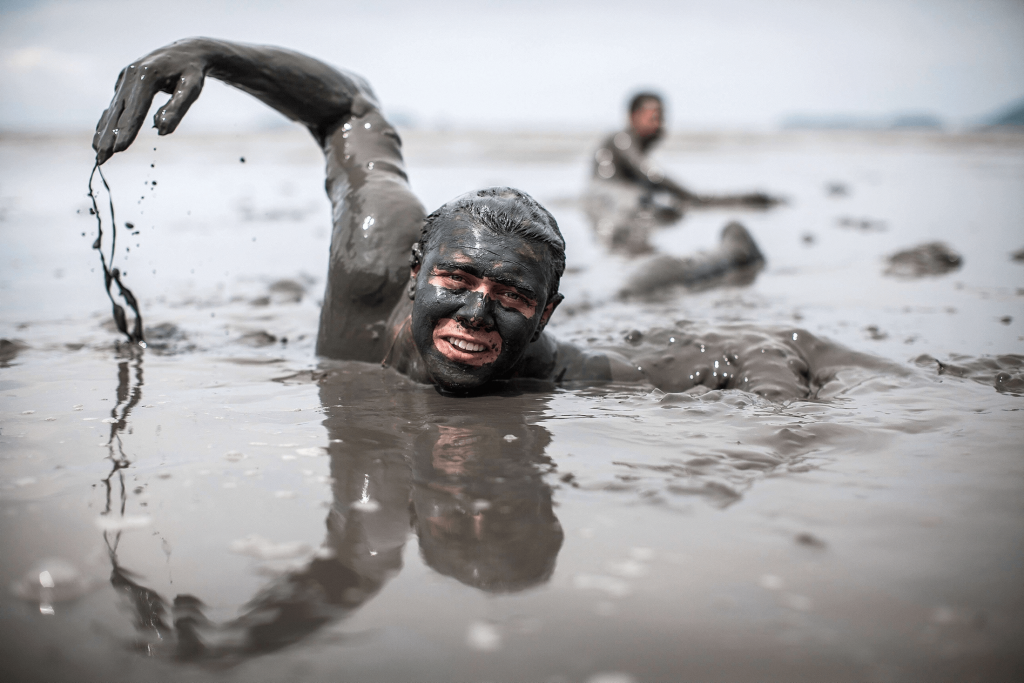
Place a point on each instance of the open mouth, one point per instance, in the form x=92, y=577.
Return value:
x=467, y=346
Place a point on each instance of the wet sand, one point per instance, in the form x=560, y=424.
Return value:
x=224, y=506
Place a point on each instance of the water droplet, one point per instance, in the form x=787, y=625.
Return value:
x=366, y=125
x=369, y=166
x=794, y=336
x=368, y=222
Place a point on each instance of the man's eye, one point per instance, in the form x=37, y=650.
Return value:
x=513, y=296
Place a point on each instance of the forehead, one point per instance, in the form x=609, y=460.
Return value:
x=471, y=245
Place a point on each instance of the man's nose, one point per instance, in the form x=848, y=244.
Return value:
x=476, y=312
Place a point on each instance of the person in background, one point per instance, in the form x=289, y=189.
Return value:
x=630, y=195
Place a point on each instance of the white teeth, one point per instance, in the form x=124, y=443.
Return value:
x=465, y=345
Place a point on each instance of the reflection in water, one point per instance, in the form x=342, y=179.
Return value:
x=483, y=511
x=466, y=476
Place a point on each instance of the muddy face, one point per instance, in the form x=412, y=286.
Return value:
x=481, y=298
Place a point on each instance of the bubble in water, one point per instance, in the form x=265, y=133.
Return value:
x=50, y=582
x=126, y=523
x=365, y=505
x=611, y=677
x=263, y=549
x=483, y=636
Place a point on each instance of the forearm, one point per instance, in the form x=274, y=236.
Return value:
x=640, y=168
x=300, y=87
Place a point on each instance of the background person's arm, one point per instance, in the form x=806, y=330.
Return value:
x=300, y=87
x=634, y=165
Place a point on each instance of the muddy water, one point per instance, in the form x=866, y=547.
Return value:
x=222, y=506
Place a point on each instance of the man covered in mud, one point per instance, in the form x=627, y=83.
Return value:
x=472, y=305
x=629, y=195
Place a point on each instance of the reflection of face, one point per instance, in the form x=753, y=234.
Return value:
x=481, y=298
x=646, y=120
x=482, y=510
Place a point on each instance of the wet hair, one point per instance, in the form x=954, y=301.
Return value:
x=642, y=98
x=506, y=211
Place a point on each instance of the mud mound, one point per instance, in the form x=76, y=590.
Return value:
x=934, y=258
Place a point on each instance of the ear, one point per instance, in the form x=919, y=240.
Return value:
x=413, y=272
x=546, y=315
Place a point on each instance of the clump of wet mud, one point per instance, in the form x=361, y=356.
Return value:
x=168, y=339
x=9, y=350
x=1005, y=372
x=1018, y=255
x=933, y=258
x=257, y=339
x=862, y=224
x=283, y=291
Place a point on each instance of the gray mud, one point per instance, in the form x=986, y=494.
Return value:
x=934, y=258
x=223, y=506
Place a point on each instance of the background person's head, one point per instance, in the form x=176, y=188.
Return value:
x=646, y=114
x=486, y=272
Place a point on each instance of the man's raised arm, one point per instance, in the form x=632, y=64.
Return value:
x=300, y=87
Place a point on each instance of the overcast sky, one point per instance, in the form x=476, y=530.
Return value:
x=737, y=64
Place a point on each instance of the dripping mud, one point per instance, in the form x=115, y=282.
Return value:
x=221, y=505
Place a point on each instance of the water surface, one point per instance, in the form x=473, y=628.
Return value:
x=224, y=506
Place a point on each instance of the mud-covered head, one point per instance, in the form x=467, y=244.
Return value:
x=485, y=282
x=646, y=115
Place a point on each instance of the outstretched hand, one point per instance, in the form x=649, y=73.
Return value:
x=178, y=69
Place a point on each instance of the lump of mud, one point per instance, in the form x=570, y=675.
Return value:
x=933, y=258
x=258, y=338
x=287, y=291
x=284, y=291
x=167, y=339
x=862, y=224
x=1018, y=255
x=1005, y=373
x=9, y=349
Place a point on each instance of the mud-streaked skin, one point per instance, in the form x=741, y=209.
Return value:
x=481, y=298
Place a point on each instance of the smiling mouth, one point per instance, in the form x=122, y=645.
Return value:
x=465, y=345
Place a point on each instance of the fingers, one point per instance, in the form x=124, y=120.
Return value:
x=121, y=122
x=106, y=130
x=138, y=96
x=186, y=91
